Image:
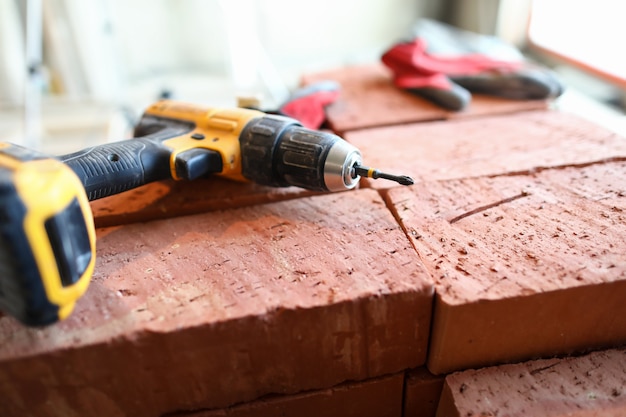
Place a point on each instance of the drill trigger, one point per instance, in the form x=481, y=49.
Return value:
x=197, y=162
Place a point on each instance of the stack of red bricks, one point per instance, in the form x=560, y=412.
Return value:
x=493, y=286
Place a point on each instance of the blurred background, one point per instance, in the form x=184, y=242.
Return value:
x=75, y=73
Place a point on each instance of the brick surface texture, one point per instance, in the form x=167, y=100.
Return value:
x=516, y=261
x=422, y=391
x=378, y=397
x=215, y=309
x=168, y=199
x=586, y=386
x=521, y=143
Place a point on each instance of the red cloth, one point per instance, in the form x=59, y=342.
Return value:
x=310, y=109
x=413, y=67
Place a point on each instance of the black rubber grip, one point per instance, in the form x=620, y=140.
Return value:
x=116, y=167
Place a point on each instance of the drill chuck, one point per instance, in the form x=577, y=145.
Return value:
x=339, y=172
x=278, y=151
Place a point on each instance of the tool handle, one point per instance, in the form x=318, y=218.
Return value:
x=116, y=167
x=120, y=166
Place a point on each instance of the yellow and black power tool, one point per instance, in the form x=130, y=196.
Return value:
x=46, y=229
x=47, y=237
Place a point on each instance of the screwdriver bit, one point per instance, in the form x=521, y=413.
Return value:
x=375, y=174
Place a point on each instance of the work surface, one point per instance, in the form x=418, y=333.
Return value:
x=217, y=298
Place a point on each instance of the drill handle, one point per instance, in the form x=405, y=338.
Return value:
x=116, y=167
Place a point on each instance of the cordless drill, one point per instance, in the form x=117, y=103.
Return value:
x=172, y=140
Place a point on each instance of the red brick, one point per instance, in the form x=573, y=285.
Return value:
x=525, y=266
x=210, y=310
x=369, y=99
x=380, y=397
x=422, y=391
x=486, y=146
x=591, y=385
x=166, y=199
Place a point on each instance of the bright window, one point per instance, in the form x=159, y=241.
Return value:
x=589, y=33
